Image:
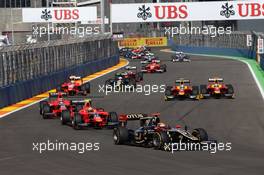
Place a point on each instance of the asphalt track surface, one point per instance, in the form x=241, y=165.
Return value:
x=239, y=121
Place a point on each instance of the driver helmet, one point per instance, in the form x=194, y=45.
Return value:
x=161, y=125
x=90, y=109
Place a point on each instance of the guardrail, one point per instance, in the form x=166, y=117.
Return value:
x=234, y=44
x=28, y=70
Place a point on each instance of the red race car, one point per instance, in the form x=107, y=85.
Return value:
x=182, y=89
x=154, y=67
x=75, y=86
x=53, y=107
x=87, y=116
x=216, y=88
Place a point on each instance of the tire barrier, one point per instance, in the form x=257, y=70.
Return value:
x=23, y=90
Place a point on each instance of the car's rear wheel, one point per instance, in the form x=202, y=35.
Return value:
x=139, y=76
x=160, y=139
x=113, y=117
x=59, y=89
x=168, y=92
x=46, y=110
x=132, y=82
x=77, y=121
x=120, y=135
x=163, y=67
x=195, y=90
x=65, y=117
x=203, y=90
x=41, y=104
x=230, y=89
x=201, y=134
x=88, y=87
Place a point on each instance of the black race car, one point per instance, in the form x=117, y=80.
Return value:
x=180, y=57
x=153, y=133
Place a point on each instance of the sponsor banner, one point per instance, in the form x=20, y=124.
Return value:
x=59, y=15
x=137, y=42
x=188, y=11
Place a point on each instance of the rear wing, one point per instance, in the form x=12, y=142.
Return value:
x=81, y=102
x=182, y=81
x=215, y=79
x=74, y=77
x=131, y=117
x=179, y=52
x=57, y=94
x=130, y=67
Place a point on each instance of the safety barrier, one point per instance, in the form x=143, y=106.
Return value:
x=23, y=90
x=227, y=45
x=26, y=62
x=28, y=70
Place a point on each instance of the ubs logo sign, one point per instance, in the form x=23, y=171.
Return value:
x=227, y=10
x=46, y=15
x=144, y=12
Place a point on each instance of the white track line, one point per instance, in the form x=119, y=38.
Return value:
x=19, y=109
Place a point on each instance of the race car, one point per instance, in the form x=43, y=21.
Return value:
x=75, y=86
x=153, y=133
x=182, y=90
x=154, y=67
x=124, y=50
x=180, y=57
x=53, y=108
x=85, y=115
x=142, y=136
x=135, y=56
x=124, y=79
x=138, y=76
x=149, y=59
x=216, y=88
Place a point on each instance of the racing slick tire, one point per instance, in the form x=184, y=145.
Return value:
x=230, y=90
x=168, y=92
x=195, y=91
x=88, y=87
x=77, y=120
x=132, y=82
x=41, y=104
x=59, y=89
x=201, y=134
x=78, y=108
x=71, y=93
x=163, y=67
x=120, y=135
x=65, y=117
x=160, y=139
x=203, y=90
x=139, y=76
x=46, y=109
x=113, y=117
x=109, y=83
